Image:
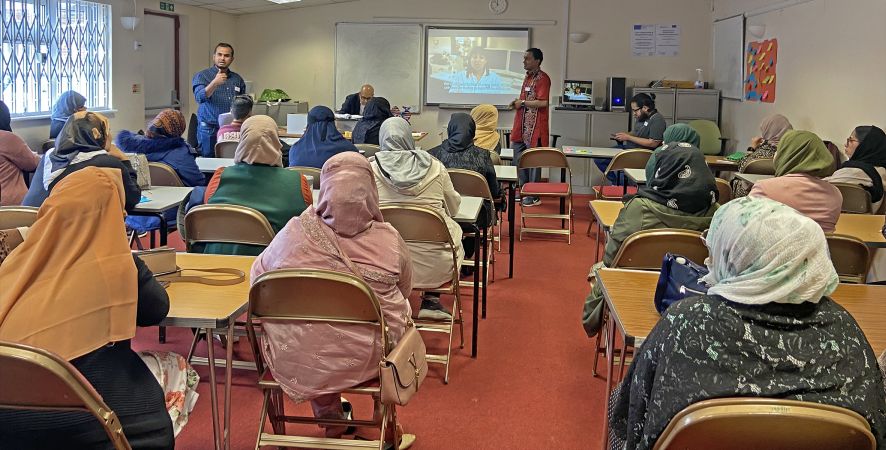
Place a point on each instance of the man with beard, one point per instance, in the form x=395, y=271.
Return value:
x=531, y=120
x=648, y=129
x=214, y=89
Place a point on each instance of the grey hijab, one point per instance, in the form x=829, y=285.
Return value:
x=398, y=160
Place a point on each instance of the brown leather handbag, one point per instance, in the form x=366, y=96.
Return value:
x=404, y=369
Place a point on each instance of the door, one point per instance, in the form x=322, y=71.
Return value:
x=161, y=62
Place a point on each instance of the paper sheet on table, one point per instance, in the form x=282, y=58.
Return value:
x=348, y=116
x=289, y=141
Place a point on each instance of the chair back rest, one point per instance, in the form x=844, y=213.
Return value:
x=36, y=379
x=368, y=149
x=312, y=171
x=856, y=199
x=646, y=249
x=709, y=136
x=163, y=175
x=47, y=145
x=850, y=256
x=470, y=183
x=228, y=224
x=422, y=225
x=192, y=131
x=724, y=189
x=225, y=149
x=17, y=216
x=543, y=157
x=764, y=166
x=629, y=159
x=754, y=422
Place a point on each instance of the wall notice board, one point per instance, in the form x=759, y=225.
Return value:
x=387, y=56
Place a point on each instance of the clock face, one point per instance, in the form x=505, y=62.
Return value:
x=498, y=6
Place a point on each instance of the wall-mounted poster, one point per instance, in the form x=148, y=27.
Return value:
x=761, y=59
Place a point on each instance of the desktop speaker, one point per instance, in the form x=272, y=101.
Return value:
x=616, y=91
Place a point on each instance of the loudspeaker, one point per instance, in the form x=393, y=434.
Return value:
x=616, y=91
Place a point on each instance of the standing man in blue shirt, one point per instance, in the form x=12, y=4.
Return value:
x=215, y=89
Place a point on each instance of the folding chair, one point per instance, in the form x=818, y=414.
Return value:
x=47, y=145
x=724, y=189
x=423, y=225
x=36, y=379
x=755, y=422
x=163, y=175
x=312, y=171
x=856, y=199
x=850, y=256
x=17, y=216
x=472, y=184
x=318, y=296
x=225, y=149
x=628, y=159
x=551, y=158
x=764, y=166
x=711, y=141
x=367, y=150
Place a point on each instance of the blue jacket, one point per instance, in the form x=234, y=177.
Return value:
x=174, y=152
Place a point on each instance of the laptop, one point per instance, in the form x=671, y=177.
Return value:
x=296, y=123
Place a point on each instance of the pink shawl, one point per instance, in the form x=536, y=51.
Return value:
x=309, y=360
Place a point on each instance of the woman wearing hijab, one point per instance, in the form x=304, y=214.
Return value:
x=676, y=133
x=316, y=362
x=681, y=194
x=15, y=158
x=85, y=141
x=82, y=301
x=258, y=180
x=802, y=160
x=866, y=167
x=68, y=103
x=366, y=130
x=486, y=119
x=404, y=175
x=320, y=142
x=762, y=147
x=766, y=328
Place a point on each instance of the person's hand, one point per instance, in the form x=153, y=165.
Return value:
x=622, y=136
x=513, y=104
x=220, y=78
x=757, y=142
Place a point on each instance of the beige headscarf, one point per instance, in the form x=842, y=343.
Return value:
x=72, y=286
x=774, y=127
x=259, y=142
x=486, y=118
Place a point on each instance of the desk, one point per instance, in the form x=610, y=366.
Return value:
x=866, y=227
x=638, y=176
x=719, y=163
x=213, y=308
x=508, y=174
x=752, y=177
x=605, y=212
x=468, y=213
x=576, y=151
x=210, y=165
x=507, y=154
x=163, y=198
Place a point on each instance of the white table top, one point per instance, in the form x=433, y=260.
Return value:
x=507, y=153
x=637, y=175
x=210, y=165
x=289, y=141
x=162, y=198
x=752, y=177
x=506, y=173
x=469, y=209
x=576, y=151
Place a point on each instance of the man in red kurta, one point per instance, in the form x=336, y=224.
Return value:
x=531, y=121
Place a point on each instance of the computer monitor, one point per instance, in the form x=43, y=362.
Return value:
x=578, y=92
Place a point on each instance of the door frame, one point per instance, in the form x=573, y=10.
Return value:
x=177, y=21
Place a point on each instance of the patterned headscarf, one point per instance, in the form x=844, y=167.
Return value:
x=803, y=152
x=259, y=142
x=762, y=251
x=85, y=136
x=774, y=127
x=169, y=123
x=681, y=180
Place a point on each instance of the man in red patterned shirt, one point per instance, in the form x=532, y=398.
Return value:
x=531, y=121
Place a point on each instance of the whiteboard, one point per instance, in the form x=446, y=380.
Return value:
x=729, y=56
x=387, y=56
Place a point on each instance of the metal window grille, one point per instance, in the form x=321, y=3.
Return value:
x=52, y=46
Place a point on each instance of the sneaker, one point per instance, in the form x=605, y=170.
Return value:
x=431, y=308
x=348, y=409
x=530, y=201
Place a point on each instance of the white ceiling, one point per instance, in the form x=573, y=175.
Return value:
x=253, y=6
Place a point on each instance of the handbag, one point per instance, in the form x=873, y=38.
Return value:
x=679, y=278
x=140, y=165
x=403, y=369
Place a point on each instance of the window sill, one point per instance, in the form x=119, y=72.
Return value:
x=106, y=112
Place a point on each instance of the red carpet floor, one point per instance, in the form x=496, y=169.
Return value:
x=529, y=388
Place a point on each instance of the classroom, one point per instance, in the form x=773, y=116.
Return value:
x=480, y=224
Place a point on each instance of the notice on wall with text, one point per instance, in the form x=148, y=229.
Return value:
x=655, y=40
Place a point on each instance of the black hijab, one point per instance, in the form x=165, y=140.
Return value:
x=5, y=118
x=461, y=132
x=870, y=154
x=681, y=180
x=377, y=110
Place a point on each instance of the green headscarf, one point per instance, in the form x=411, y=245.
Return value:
x=803, y=152
x=680, y=132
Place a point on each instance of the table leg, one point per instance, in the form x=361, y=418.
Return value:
x=164, y=229
x=511, y=207
x=485, y=265
x=610, y=368
x=229, y=362
x=213, y=394
x=161, y=335
x=476, y=312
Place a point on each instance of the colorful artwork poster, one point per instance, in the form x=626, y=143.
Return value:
x=761, y=59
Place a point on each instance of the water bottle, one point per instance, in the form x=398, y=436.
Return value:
x=698, y=83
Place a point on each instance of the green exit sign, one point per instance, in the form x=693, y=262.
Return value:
x=167, y=6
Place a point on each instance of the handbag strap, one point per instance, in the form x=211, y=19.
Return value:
x=177, y=277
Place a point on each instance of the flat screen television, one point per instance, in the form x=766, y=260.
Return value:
x=578, y=92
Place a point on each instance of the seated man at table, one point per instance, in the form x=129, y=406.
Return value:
x=766, y=328
x=648, y=132
x=682, y=194
x=356, y=102
x=241, y=109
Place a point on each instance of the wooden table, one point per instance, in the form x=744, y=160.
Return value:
x=605, y=212
x=719, y=163
x=507, y=154
x=508, y=175
x=214, y=309
x=163, y=198
x=866, y=227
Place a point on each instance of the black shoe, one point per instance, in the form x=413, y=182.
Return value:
x=349, y=415
x=432, y=309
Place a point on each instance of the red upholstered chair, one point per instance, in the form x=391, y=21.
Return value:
x=628, y=159
x=554, y=159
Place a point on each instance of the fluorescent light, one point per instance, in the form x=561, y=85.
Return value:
x=280, y=2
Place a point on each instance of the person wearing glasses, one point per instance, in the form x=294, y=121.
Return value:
x=648, y=132
x=356, y=102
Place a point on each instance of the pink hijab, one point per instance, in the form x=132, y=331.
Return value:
x=348, y=195
x=774, y=127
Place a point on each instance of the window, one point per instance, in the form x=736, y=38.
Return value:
x=51, y=46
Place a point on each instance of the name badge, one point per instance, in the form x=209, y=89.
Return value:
x=237, y=88
x=645, y=124
x=526, y=89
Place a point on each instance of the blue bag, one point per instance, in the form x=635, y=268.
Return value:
x=680, y=278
